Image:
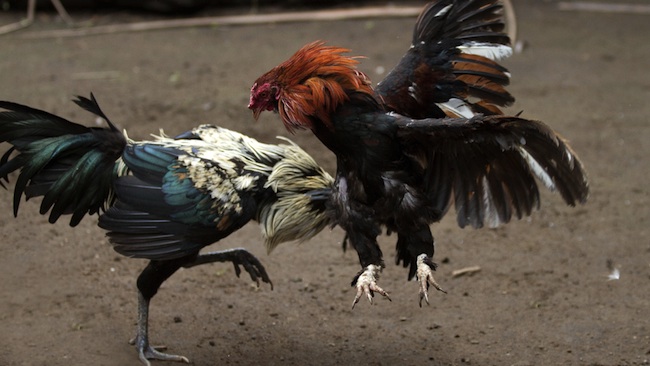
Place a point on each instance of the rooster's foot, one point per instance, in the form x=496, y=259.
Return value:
x=148, y=352
x=238, y=257
x=366, y=283
x=424, y=275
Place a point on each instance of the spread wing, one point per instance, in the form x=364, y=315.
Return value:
x=451, y=68
x=488, y=164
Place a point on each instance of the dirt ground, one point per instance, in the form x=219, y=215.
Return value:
x=542, y=296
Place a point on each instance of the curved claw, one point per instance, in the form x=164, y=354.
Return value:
x=238, y=257
x=369, y=290
x=424, y=275
x=147, y=352
x=366, y=283
x=252, y=265
x=151, y=353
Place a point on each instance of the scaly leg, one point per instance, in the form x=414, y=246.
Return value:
x=424, y=274
x=158, y=272
x=147, y=352
x=149, y=282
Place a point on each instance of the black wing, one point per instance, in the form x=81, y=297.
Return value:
x=489, y=164
x=451, y=59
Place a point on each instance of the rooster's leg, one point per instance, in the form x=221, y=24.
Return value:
x=424, y=274
x=366, y=283
x=238, y=257
x=149, y=282
x=147, y=352
x=362, y=235
x=158, y=272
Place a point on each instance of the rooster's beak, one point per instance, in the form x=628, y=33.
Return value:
x=256, y=112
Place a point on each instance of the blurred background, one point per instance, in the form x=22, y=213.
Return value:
x=545, y=293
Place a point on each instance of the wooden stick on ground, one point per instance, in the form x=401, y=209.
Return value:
x=31, y=10
x=467, y=270
x=322, y=15
x=605, y=7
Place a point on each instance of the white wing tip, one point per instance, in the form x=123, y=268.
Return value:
x=456, y=107
x=538, y=170
x=443, y=11
x=492, y=51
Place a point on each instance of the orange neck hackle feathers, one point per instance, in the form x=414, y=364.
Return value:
x=311, y=84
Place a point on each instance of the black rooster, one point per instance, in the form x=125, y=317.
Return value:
x=164, y=200
x=431, y=134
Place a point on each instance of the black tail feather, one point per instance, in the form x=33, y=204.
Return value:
x=71, y=166
x=92, y=106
